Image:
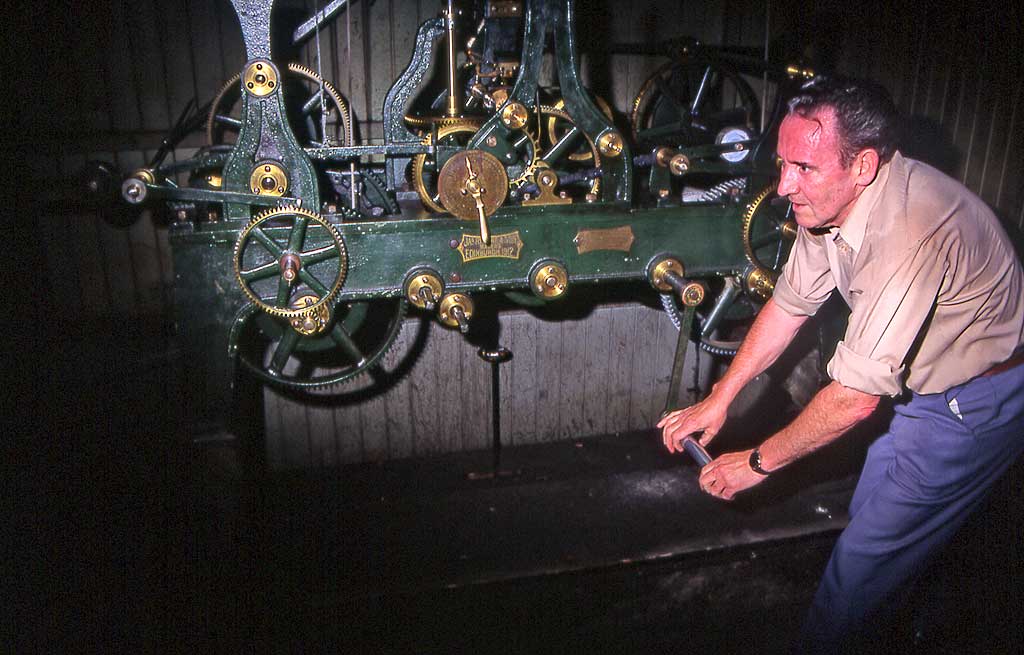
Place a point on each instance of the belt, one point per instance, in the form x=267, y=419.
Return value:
x=1015, y=360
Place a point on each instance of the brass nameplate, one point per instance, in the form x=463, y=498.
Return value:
x=611, y=238
x=502, y=245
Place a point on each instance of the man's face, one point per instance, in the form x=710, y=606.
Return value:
x=813, y=177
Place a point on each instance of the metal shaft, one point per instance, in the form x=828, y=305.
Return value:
x=453, y=103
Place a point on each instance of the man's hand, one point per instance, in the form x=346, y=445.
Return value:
x=707, y=417
x=728, y=475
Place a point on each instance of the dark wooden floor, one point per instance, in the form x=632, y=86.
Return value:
x=131, y=537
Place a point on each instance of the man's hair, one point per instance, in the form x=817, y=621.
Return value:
x=864, y=110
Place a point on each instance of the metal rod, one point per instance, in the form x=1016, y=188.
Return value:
x=764, y=75
x=303, y=31
x=453, y=105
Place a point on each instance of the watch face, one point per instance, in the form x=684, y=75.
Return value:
x=755, y=462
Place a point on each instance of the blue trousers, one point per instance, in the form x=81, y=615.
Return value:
x=921, y=480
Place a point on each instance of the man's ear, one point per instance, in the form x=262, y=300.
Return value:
x=865, y=166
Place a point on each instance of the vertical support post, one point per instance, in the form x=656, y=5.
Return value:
x=495, y=357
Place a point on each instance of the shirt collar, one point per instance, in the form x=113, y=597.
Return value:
x=855, y=225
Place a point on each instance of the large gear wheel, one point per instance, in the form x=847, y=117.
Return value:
x=278, y=258
x=689, y=101
x=354, y=342
x=220, y=120
x=569, y=156
x=556, y=130
x=766, y=233
x=426, y=168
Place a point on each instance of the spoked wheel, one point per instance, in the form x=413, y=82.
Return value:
x=689, y=101
x=722, y=320
x=314, y=352
x=565, y=151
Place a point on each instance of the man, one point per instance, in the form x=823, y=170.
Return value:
x=936, y=295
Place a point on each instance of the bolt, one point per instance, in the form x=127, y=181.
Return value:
x=663, y=193
x=455, y=277
x=182, y=215
x=527, y=196
x=453, y=243
x=591, y=197
x=491, y=141
x=563, y=194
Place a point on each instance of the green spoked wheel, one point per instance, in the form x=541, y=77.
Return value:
x=315, y=351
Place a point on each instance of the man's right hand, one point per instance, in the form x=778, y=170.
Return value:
x=706, y=417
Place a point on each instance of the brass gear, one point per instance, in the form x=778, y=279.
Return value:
x=641, y=95
x=552, y=132
x=762, y=271
x=531, y=166
x=245, y=277
x=427, y=122
x=419, y=163
x=595, y=156
x=336, y=99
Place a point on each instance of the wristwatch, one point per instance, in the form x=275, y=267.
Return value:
x=755, y=462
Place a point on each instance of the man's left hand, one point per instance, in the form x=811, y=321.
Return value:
x=728, y=475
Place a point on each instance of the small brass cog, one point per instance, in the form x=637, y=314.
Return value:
x=528, y=171
x=284, y=264
x=315, y=321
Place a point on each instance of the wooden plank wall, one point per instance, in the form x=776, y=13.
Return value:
x=112, y=78
x=567, y=379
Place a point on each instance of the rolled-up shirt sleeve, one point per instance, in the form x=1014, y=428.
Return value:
x=806, y=281
x=894, y=299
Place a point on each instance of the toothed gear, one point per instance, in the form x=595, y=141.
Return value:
x=274, y=268
x=336, y=100
x=419, y=163
x=549, y=113
x=426, y=122
x=531, y=165
x=289, y=342
x=748, y=227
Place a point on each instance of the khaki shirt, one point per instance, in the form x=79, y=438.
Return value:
x=934, y=286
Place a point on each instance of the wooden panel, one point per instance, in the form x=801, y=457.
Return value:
x=567, y=379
